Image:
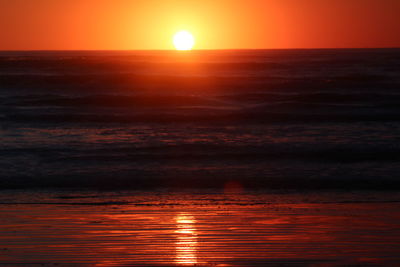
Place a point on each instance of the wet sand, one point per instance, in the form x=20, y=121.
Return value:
x=199, y=229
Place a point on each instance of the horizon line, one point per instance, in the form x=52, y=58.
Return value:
x=194, y=50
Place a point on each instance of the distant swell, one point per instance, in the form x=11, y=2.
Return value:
x=208, y=119
x=239, y=99
x=325, y=119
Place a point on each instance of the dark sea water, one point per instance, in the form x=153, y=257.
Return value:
x=270, y=119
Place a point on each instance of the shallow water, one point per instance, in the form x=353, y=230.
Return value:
x=140, y=228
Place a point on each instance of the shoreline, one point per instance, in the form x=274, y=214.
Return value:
x=203, y=229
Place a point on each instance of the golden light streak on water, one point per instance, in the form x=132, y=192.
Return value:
x=186, y=240
x=242, y=230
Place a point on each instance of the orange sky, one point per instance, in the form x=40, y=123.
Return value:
x=216, y=24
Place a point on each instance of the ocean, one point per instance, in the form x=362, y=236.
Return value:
x=325, y=119
x=200, y=158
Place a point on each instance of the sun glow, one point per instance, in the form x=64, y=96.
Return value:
x=183, y=40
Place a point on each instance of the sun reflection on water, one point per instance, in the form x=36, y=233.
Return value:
x=186, y=240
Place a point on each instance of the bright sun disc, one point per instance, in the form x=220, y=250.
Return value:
x=183, y=40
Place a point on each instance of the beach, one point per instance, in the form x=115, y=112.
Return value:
x=206, y=228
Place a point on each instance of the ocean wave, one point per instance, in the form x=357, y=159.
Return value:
x=238, y=100
x=296, y=179
x=263, y=119
x=203, y=115
x=187, y=152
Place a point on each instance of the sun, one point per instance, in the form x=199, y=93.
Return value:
x=183, y=40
